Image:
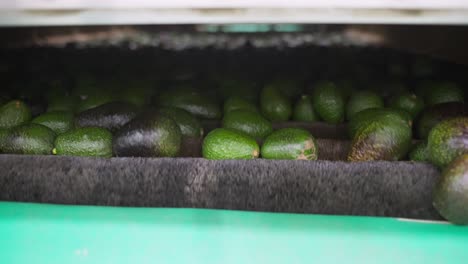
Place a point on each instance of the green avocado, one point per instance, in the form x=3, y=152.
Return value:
x=111, y=116
x=238, y=103
x=14, y=113
x=275, y=106
x=433, y=115
x=189, y=125
x=371, y=115
x=447, y=140
x=65, y=103
x=291, y=144
x=383, y=139
x=248, y=122
x=304, y=111
x=451, y=192
x=33, y=139
x=408, y=102
x=328, y=102
x=191, y=101
x=419, y=152
x=85, y=141
x=59, y=121
x=362, y=100
x=223, y=143
x=150, y=134
x=443, y=92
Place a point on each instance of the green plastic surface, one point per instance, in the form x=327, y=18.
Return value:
x=40, y=233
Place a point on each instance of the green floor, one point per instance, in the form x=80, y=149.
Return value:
x=39, y=233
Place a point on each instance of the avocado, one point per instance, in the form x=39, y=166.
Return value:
x=85, y=141
x=443, y=92
x=245, y=89
x=14, y=113
x=362, y=100
x=288, y=87
x=383, y=139
x=148, y=135
x=328, y=102
x=274, y=105
x=223, y=143
x=419, y=152
x=33, y=139
x=251, y=123
x=408, y=102
x=303, y=110
x=111, y=116
x=94, y=100
x=371, y=115
x=236, y=103
x=66, y=103
x=450, y=197
x=189, y=125
x=136, y=92
x=447, y=140
x=59, y=121
x=431, y=116
x=291, y=144
x=191, y=101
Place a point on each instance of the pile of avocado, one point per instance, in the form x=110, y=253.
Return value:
x=129, y=118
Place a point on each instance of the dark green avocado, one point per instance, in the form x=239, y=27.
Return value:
x=85, y=141
x=222, y=143
x=290, y=144
x=32, y=139
x=328, y=102
x=148, y=135
x=111, y=116
x=275, y=106
x=59, y=121
x=14, y=113
x=433, y=115
x=451, y=192
x=362, y=100
x=248, y=122
x=189, y=125
x=304, y=110
x=447, y=140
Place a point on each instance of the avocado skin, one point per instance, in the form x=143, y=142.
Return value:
x=443, y=92
x=32, y=139
x=433, y=115
x=189, y=125
x=419, y=152
x=248, y=122
x=304, y=110
x=222, y=143
x=274, y=105
x=238, y=103
x=362, y=100
x=191, y=101
x=59, y=121
x=148, y=135
x=447, y=140
x=381, y=140
x=14, y=113
x=371, y=115
x=408, y=102
x=450, y=197
x=290, y=144
x=64, y=103
x=86, y=142
x=111, y=116
x=328, y=102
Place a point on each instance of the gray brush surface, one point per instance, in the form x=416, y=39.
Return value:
x=397, y=189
